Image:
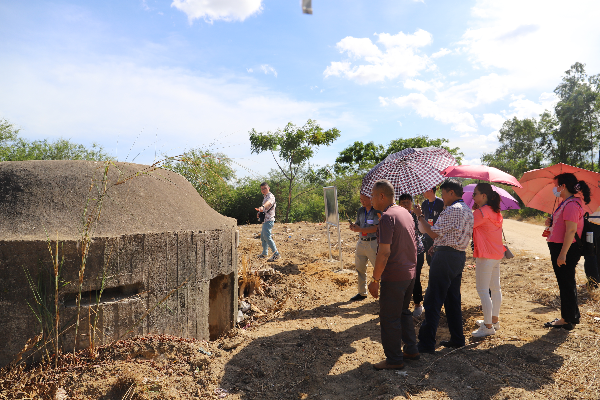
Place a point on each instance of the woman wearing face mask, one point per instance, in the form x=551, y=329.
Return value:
x=565, y=222
x=488, y=251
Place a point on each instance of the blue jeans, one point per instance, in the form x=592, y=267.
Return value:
x=266, y=238
x=445, y=275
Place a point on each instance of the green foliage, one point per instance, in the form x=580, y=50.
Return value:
x=209, y=173
x=15, y=148
x=361, y=157
x=570, y=135
x=521, y=147
x=295, y=146
x=241, y=200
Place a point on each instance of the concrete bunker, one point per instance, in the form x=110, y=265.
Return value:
x=159, y=259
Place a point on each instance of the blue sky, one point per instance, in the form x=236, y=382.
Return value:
x=159, y=77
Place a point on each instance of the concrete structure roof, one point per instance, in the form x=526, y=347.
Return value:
x=40, y=198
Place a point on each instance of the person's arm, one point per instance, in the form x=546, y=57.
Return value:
x=368, y=229
x=571, y=229
x=424, y=226
x=383, y=253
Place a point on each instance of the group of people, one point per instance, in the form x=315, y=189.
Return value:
x=398, y=238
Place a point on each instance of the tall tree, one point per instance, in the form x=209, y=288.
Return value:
x=522, y=146
x=361, y=157
x=295, y=147
x=579, y=131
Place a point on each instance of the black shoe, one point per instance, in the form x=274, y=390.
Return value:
x=448, y=343
x=426, y=351
x=358, y=297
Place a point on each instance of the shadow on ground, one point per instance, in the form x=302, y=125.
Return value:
x=323, y=364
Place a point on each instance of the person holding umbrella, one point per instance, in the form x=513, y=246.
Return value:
x=565, y=223
x=489, y=250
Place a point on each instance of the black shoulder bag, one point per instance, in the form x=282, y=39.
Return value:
x=262, y=214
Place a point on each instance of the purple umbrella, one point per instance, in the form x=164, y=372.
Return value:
x=507, y=202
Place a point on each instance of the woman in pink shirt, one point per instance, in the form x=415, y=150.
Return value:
x=565, y=222
x=489, y=250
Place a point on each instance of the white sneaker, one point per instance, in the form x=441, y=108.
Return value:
x=496, y=326
x=483, y=331
x=418, y=311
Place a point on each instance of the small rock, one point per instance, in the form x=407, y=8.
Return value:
x=240, y=316
x=244, y=306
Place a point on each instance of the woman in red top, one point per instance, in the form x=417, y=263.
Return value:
x=489, y=250
x=566, y=221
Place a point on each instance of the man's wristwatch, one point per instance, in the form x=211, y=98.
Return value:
x=375, y=280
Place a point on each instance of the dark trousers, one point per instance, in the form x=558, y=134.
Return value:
x=565, y=276
x=590, y=266
x=418, y=289
x=396, y=320
x=445, y=275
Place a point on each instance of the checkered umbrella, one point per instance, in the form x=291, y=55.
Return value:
x=412, y=171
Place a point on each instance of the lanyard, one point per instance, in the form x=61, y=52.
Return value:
x=561, y=205
x=457, y=201
x=367, y=214
x=430, y=207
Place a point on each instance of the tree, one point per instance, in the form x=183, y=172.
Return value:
x=579, y=116
x=15, y=148
x=360, y=158
x=522, y=146
x=209, y=173
x=295, y=146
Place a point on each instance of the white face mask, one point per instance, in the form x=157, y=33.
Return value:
x=556, y=191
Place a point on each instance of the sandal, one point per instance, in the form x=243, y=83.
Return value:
x=552, y=324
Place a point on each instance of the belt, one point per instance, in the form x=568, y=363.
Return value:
x=368, y=239
x=448, y=248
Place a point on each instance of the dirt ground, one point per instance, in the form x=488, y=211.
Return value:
x=302, y=339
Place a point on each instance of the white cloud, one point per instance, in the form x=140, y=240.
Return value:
x=112, y=102
x=460, y=121
x=441, y=53
x=533, y=41
x=249, y=70
x=267, y=69
x=494, y=121
x=451, y=105
x=422, y=86
x=401, y=57
x=213, y=10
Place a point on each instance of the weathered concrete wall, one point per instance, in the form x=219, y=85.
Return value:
x=154, y=233
x=138, y=272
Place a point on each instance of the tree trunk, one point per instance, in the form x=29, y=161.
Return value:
x=289, y=205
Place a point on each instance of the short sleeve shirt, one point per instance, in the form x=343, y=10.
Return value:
x=396, y=228
x=269, y=212
x=365, y=218
x=454, y=226
x=572, y=210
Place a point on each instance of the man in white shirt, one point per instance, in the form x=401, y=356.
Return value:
x=268, y=207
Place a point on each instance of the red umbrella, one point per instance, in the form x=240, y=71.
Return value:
x=538, y=183
x=482, y=172
x=411, y=170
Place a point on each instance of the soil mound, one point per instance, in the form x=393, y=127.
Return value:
x=40, y=198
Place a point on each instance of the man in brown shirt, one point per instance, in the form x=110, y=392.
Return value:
x=395, y=267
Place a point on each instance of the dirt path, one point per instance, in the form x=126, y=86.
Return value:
x=302, y=339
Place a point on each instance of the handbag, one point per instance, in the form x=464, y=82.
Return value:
x=507, y=253
x=262, y=214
